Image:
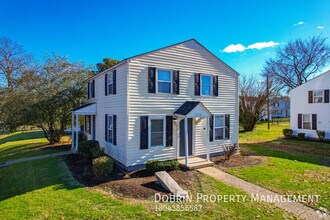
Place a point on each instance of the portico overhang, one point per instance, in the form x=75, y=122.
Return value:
x=88, y=109
x=191, y=109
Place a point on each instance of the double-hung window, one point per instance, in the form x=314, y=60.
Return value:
x=206, y=86
x=219, y=127
x=110, y=128
x=110, y=83
x=164, y=81
x=157, y=131
x=307, y=121
x=318, y=96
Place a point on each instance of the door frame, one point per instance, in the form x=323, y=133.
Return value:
x=193, y=127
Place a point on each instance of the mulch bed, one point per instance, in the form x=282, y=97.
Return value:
x=140, y=184
x=237, y=161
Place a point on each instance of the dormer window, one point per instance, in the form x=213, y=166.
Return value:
x=318, y=96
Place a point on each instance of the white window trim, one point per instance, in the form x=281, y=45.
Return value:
x=110, y=128
x=171, y=81
x=211, y=83
x=110, y=76
x=223, y=127
x=320, y=96
x=151, y=117
x=310, y=121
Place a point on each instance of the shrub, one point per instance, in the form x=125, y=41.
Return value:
x=102, y=167
x=321, y=135
x=90, y=149
x=229, y=150
x=301, y=135
x=287, y=132
x=82, y=137
x=156, y=165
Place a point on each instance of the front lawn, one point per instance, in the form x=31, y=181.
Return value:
x=27, y=144
x=291, y=167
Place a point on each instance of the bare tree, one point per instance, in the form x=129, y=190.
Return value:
x=252, y=101
x=13, y=61
x=297, y=61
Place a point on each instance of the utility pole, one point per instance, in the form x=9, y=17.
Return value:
x=267, y=93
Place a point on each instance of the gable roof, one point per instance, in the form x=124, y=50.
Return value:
x=172, y=45
x=186, y=107
x=327, y=72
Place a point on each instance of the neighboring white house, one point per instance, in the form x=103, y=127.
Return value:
x=176, y=102
x=310, y=107
x=280, y=107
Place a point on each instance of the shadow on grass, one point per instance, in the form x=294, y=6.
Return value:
x=22, y=136
x=286, y=149
x=29, y=176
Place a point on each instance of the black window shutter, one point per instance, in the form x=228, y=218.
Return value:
x=197, y=84
x=114, y=129
x=314, y=121
x=227, y=129
x=85, y=128
x=215, y=85
x=106, y=127
x=106, y=84
x=151, y=80
x=88, y=88
x=169, y=131
x=144, y=132
x=299, y=121
x=93, y=89
x=114, y=75
x=176, y=82
x=326, y=96
x=211, y=127
x=310, y=96
x=89, y=124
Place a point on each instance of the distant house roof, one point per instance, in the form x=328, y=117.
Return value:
x=125, y=60
x=186, y=107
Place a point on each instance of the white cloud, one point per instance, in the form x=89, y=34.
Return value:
x=299, y=23
x=320, y=27
x=261, y=45
x=233, y=48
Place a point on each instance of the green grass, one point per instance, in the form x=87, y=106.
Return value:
x=292, y=167
x=45, y=189
x=26, y=144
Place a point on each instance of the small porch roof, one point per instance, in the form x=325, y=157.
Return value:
x=192, y=109
x=88, y=109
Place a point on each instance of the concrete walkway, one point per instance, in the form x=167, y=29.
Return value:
x=11, y=162
x=295, y=208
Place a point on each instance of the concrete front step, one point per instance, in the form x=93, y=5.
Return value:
x=195, y=163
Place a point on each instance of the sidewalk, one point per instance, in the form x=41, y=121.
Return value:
x=295, y=208
x=11, y=162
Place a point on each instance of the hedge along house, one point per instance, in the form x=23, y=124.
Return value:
x=177, y=102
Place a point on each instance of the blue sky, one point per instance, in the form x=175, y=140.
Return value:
x=91, y=30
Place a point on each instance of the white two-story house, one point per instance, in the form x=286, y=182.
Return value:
x=180, y=101
x=310, y=107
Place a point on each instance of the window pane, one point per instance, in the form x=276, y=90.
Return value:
x=318, y=100
x=218, y=133
x=157, y=125
x=306, y=118
x=110, y=122
x=219, y=121
x=206, y=80
x=164, y=75
x=164, y=87
x=306, y=125
x=157, y=139
x=206, y=90
x=110, y=78
x=318, y=93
